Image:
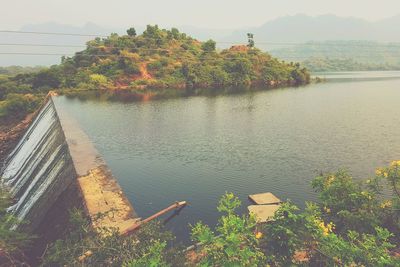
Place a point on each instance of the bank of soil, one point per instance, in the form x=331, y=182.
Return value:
x=11, y=131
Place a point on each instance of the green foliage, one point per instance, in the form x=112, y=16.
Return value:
x=351, y=206
x=209, y=46
x=152, y=258
x=86, y=246
x=18, y=105
x=359, y=249
x=350, y=226
x=12, y=243
x=131, y=32
x=353, y=225
x=344, y=55
x=317, y=64
x=283, y=234
x=15, y=70
x=167, y=60
x=250, y=40
x=45, y=80
x=98, y=81
x=235, y=243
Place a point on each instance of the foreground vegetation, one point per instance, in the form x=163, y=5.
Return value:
x=352, y=224
x=12, y=243
x=157, y=63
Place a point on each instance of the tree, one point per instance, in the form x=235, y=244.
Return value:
x=175, y=33
x=152, y=32
x=209, y=46
x=131, y=32
x=250, y=40
x=47, y=79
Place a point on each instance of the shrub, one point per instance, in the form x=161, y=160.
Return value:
x=350, y=205
x=12, y=243
x=86, y=246
x=18, y=105
x=235, y=243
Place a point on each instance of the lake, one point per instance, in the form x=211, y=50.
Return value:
x=198, y=148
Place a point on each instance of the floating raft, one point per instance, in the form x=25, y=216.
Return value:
x=265, y=199
x=266, y=206
x=263, y=213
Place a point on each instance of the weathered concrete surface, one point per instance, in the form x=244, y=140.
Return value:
x=103, y=195
x=263, y=213
x=265, y=199
x=103, y=198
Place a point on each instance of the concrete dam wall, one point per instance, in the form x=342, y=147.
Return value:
x=54, y=154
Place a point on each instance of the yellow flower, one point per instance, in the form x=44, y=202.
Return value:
x=395, y=163
x=327, y=210
x=386, y=204
x=378, y=172
x=330, y=226
x=326, y=229
x=330, y=180
x=259, y=235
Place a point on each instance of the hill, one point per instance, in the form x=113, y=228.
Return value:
x=321, y=64
x=344, y=55
x=298, y=29
x=157, y=63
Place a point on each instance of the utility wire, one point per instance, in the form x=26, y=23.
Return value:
x=330, y=43
x=196, y=59
x=53, y=33
x=373, y=49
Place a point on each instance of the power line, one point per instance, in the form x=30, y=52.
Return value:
x=53, y=33
x=373, y=48
x=325, y=43
x=41, y=45
x=187, y=58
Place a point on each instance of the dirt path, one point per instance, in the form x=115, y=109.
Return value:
x=145, y=74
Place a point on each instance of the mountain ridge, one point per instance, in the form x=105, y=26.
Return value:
x=297, y=28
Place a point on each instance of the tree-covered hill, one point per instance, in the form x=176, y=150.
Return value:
x=170, y=59
x=343, y=55
x=318, y=64
x=157, y=63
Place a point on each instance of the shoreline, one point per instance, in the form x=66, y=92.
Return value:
x=13, y=128
x=151, y=94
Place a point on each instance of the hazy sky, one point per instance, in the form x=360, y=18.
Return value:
x=201, y=13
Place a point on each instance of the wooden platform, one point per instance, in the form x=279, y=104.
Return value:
x=265, y=199
x=263, y=213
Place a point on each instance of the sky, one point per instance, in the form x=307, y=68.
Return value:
x=216, y=14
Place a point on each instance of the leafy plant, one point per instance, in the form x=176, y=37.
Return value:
x=234, y=243
x=12, y=242
x=86, y=246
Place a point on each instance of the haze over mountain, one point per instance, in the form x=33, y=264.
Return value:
x=303, y=28
x=298, y=28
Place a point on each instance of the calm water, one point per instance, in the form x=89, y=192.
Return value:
x=197, y=148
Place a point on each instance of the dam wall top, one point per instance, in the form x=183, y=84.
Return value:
x=54, y=153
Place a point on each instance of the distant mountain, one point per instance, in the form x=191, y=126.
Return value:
x=294, y=29
x=303, y=28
